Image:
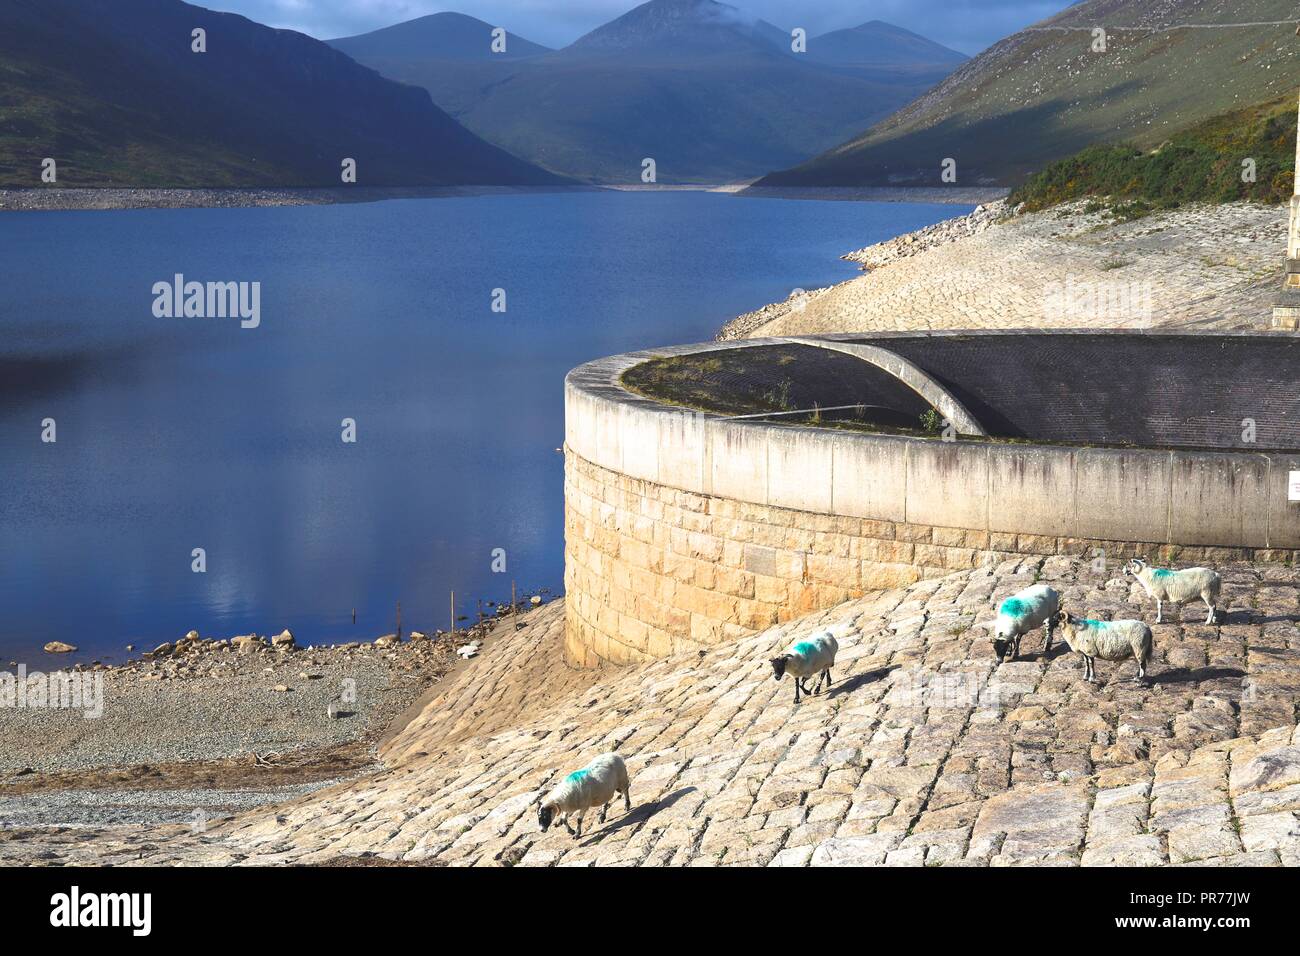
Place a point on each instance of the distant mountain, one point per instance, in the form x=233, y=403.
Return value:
x=678, y=27
x=1045, y=93
x=445, y=36
x=112, y=90
x=708, y=92
x=877, y=43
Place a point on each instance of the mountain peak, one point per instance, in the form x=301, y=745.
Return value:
x=665, y=26
x=877, y=43
x=445, y=36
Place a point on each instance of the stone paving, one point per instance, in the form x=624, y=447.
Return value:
x=924, y=752
x=1195, y=267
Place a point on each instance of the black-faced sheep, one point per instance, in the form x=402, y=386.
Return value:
x=592, y=786
x=1035, y=606
x=816, y=655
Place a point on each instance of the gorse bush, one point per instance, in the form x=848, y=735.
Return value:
x=1203, y=163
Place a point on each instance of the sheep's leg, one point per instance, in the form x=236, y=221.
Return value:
x=565, y=820
x=1089, y=670
x=1015, y=647
x=603, y=810
x=1210, y=605
x=829, y=680
x=627, y=799
x=796, y=690
x=1142, y=672
x=577, y=833
x=1159, y=610
x=1047, y=644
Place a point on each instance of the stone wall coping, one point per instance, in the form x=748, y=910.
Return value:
x=1192, y=498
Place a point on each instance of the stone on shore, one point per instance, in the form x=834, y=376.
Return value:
x=59, y=647
x=284, y=639
x=248, y=643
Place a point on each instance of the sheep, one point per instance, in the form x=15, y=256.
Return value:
x=1109, y=640
x=1177, y=586
x=813, y=656
x=1035, y=606
x=592, y=786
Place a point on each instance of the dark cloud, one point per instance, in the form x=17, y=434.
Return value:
x=966, y=25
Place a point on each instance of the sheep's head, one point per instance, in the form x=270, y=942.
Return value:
x=1134, y=567
x=778, y=665
x=1063, y=617
x=545, y=814
x=1000, y=645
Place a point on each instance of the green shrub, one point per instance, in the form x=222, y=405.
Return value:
x=1200, y=164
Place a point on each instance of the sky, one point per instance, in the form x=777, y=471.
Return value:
x=965, y=25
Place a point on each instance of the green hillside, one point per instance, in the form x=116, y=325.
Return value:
x=1202, y=163
x=112, y=91
x=1044, y=93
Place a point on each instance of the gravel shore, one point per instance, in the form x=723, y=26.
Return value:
x=64, y=198
x=213, y=726
x=60, y=198
x=958, y=195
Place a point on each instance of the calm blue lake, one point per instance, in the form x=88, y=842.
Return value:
x=183, y=433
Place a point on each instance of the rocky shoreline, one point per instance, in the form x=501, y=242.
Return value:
x=212, y=725
x=60, y=198
x=940, y=234
x=957, y=195
x=872, y=257
x=1077, y=265
x=57, y=198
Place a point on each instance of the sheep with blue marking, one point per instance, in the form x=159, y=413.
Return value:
x=1035, y=606
x=1178, y=587
x=816, y=655
x=1109, y=640
x=593, y=786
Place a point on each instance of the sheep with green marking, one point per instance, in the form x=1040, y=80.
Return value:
x=816, y=655
x=1177, y=587
x=1109, y=640
x=1024, y=611
x=593, y=786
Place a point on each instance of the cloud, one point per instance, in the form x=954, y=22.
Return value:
x=966, y=25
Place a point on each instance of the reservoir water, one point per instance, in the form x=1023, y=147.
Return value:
x=184, y=433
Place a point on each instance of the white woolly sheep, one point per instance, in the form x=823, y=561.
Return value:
x=1109, y=640
x=592, y=786
x=1177, y=587
x=1035, y=606
x=816, y=655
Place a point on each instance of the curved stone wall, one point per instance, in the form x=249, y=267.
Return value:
x=686, y=529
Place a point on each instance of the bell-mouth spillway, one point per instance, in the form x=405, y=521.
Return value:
x=1123, y=389
x=715, y=489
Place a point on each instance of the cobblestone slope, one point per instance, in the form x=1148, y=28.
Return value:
x=1194, y=267
x=923, y=752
